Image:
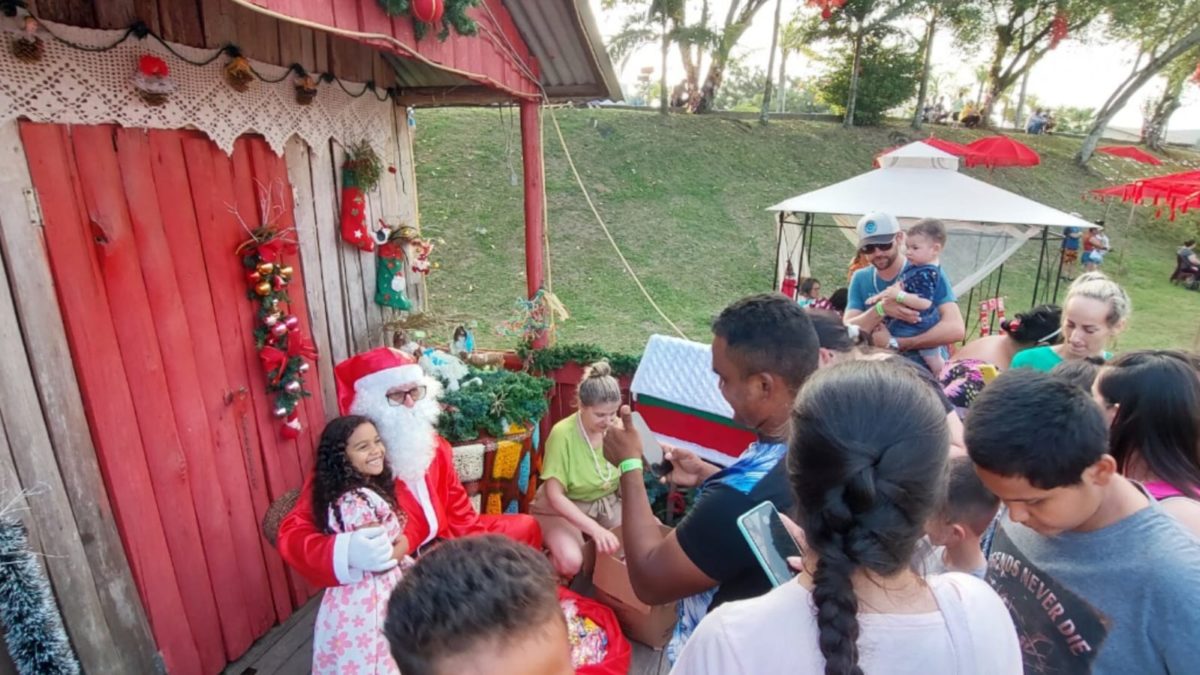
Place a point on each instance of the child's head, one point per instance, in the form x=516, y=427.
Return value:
x=1041, y=446
x=1151, y=399
x=810, y=287
x=966, y=511
x=1096, y=310
x=924, y=241
x=1041, y=325
x=1079, y=372
x=350, y=455
x=481, y=604
x=599, y=396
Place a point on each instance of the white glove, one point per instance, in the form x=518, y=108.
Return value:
x=370, y=550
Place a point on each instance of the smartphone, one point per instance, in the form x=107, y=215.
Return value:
x=771, y=542
x=651, y=449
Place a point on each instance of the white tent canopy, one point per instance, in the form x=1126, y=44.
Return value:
x=985, y=224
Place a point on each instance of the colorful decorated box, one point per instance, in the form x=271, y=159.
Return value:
x=676, y=391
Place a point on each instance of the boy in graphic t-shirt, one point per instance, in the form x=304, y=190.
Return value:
x=1097, y=577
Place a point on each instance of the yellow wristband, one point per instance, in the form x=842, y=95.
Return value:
x=631, y=464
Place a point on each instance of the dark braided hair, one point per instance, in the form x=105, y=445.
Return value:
x=866, y=462
x=335, y=476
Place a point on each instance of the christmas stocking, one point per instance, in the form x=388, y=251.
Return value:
x=390, y=288
x=354, y=214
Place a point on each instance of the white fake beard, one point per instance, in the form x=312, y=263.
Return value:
x=408, y=434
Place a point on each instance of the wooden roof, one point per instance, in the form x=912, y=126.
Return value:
x=524, y=48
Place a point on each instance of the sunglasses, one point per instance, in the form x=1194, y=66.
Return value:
x=871, y=248
x=398, y=397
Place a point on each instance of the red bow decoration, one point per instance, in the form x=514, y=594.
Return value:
x=274, y=359
x=298, y=345
x=275, y=249
x=152, y=66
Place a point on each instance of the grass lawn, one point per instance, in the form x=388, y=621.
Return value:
x=684, y=196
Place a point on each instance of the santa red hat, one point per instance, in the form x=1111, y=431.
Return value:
x=370, y=370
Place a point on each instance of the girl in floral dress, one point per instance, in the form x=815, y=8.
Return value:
x=353, y=489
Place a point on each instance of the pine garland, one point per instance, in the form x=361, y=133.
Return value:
x=552, y=358
x=33, y=627
x=454, y=16
x=498, y=398
x=362, y=167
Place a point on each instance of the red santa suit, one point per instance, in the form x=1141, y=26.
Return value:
x=437, y=505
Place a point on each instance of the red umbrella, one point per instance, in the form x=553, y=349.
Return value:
x=1130, y=152
x=1179, y=192
x=956, y=149
x=995, y=151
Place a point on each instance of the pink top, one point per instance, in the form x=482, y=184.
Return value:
x=1161, y=489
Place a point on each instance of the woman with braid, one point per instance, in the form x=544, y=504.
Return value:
x=867, y=463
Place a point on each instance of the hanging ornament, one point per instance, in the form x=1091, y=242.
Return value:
x=427, y=11
x=270, y=320
x=286, y=271
x=827, y=7
x=302, y=368
x=280, y=412
x=279, y=329
x=291, y=427
x=790, y=282
x=265, y=268
x=1058, y=28
x=238, y=73
x=28, y=47
x=263, y=288
x=360, y=175
x=278, y=283
x=306, y=89
x=152, y=80
x=292, y=322
x=292, y=387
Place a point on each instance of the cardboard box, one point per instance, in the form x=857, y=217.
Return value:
x=650, y=625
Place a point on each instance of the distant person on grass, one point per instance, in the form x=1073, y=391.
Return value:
x=880, y=240
x=1098, y=577
x=1096, y=311
x=478, y=605
x=764, y=349
x=1070, y=251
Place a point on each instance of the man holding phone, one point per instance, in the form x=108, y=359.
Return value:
x=764, y=348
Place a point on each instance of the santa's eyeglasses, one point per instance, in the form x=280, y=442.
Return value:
x=400, y=397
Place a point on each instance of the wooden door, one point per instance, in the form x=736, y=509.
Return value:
x=141, y=229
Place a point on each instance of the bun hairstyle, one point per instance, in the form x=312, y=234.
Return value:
x=598, y=386
x=867, y=463
x=1097, y=286
x=1042, y=325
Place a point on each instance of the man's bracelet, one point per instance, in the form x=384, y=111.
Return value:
x=900, y=296
x=631, y=464
x=879, y=308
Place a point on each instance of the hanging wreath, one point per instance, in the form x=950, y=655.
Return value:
x=430, y=13
x=1058, y=28
x=283, y=349
x=827, y=7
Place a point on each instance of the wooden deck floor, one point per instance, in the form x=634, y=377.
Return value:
x=287, y=650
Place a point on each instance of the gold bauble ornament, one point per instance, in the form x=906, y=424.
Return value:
x=263, y=288
x=265, y=268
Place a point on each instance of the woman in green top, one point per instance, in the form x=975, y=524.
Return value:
x=578, y=497
x=1096, y=311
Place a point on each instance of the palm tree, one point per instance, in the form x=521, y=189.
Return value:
x=792, y=38
x=641, y=29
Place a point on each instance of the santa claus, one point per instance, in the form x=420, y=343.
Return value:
x=389, y=388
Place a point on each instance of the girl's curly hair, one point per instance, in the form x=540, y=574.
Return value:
x=335, y=476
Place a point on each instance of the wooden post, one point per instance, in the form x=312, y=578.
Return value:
x=535, y=187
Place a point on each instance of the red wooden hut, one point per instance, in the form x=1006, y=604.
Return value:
x=134, y=410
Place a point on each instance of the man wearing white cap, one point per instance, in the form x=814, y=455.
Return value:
x=881, y=240
x=388, y=387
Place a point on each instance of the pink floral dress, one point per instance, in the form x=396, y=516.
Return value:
x=348, y=636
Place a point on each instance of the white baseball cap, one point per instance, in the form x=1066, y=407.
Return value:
x=877, y=228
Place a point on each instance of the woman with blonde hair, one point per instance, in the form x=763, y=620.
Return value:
x=1096, y=311
x=578, y=498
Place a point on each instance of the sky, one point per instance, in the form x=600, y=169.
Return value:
x=1075, y=74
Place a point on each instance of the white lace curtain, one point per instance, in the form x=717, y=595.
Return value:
x=74, y=86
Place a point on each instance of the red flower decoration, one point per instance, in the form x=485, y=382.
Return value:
x=1058, y=28
x=827, y=7
x=152, y=66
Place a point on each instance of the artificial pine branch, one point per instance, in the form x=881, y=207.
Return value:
x=33, y=628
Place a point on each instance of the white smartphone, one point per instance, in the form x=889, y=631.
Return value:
x=771, y=542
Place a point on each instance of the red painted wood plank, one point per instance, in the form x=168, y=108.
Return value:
x=345, y=14
x=210, y=178
x=373, y=19
x=134, y=324
x=183, y=237
x=271, y=169
x=150, y=210
x=109, y=405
